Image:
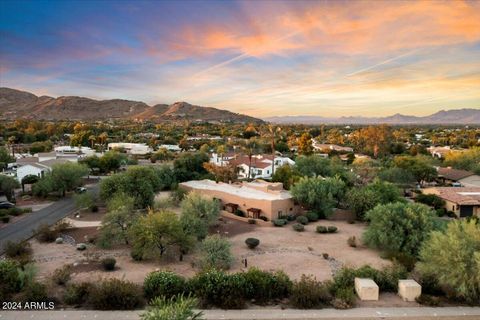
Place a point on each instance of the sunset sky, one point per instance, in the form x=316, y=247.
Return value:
x=262, y=58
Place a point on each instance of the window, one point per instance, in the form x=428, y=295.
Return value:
x=259, y=171
x=268, y=171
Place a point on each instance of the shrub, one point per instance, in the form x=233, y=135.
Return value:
x=115, y=294
x=62, y=275
x=20, y=251
x=220, y=289
x=352, y=241
x=163, y=284
x=177, y=308
x=77, y=294
x=94, y=208
x=252, y=243
x=239, y=213
x=279, y=222
x=27, y=274
x=216, y=253
x=332, y=229
x=252, y=221
x=9, y=278
x=428, y=300
x=309, y=293
x=312, y=216
x=322, y=229
x=291, y=217
x=344, y=298
x=264, y=286
x=35, y=292
x=46, y=234
x=136, y=254
x=302, y=219
x=6, y=219
x=264, y=218
x=109, y=263
x=298, y=227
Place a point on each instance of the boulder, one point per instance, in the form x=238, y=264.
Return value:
x=59, y=240
x=81, y=246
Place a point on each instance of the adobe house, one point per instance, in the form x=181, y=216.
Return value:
x=464, y=202
x=449, y=176
x=256, y=199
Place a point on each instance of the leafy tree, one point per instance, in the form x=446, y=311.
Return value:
x=157, y=232
x=430, y=200
x=5, y=158
x=8, y=185
x=362, y=199
x=305, y=146
x=225, y=173
x=398, y=176
x=319, y=194
x=120, y=217
x=418, y=166
x=465, y=160
x=286, y=175
x=313, y=166
x=166, y=177
x=189, y=166
x=84, y=200
x=29, y=179
x=453, y=259
x=112, y=161
x=198, y=213
x=67, y=176
x=399, y=227
x=44, y=186
x=10, y=281
x=216, y=253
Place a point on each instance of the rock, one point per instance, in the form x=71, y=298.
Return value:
x=59, y=240
x=81, y=246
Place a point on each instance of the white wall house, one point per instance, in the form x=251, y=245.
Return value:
x=69, y=150
x=171, y=147
x=259, y=166
x=35, y=169
x=131, y=148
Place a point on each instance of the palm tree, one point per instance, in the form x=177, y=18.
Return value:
x=92, y=140
x=11, y=142
x=273, y=133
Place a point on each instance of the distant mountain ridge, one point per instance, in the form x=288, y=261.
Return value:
x=458, y=116
x=16, y=104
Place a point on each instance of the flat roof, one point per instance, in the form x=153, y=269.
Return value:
x=239, y=190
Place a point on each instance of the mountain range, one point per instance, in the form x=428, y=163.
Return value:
x=459, y=116
x=16, y=104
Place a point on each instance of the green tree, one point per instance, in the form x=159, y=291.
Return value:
x=157, y=232
x=8, y=185
x=362, y=199
x=67, y=176
x=418, y=166
x=198, y=213
x=189, y=166
x=399, y=227
x=112, y=161
x=319, y=194
x=216, y=253
x=84, y=200
x=286, y=175
x=29, y=179
x=398, y=176
x=5, y=158
x=453, y=259
x=313, y=166
x=465, y=160
x=120, y=217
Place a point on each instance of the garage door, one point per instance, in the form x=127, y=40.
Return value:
x=466, y=211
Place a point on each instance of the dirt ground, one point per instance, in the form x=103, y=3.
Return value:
x=296, y=253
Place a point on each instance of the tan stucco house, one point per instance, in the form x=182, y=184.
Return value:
x=256, y=199
x=448, y=175
x=464, y=202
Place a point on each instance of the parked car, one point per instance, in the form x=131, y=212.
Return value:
x=80, y=190
x=6, y=205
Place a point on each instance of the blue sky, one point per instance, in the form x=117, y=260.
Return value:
x=263, y=58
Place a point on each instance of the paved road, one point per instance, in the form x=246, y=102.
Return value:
x=413, y=313
x=23, y=228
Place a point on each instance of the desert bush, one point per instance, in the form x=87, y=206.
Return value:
x=108, y=263
x=136, y=254
x=312, y=216
x=322, y=229
x=428, y=300
x=216, y=253
x=27, y=274
x=344, y=298
x=279, y=222
x=252, y=221
x=6, y=219
x=46, y=234
x=177, y=308
x=163, y=284
x=20, y=251
x=352, y=241
x=264, y=286
x=115, y=294
x=62, y=275
x=298, y=227
x=34, y=292
x=77, y=293
x=302, y=219
x=332, y=229
x=217, y=288
x=9, y=278
x=252, y=243
x=309, y=293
